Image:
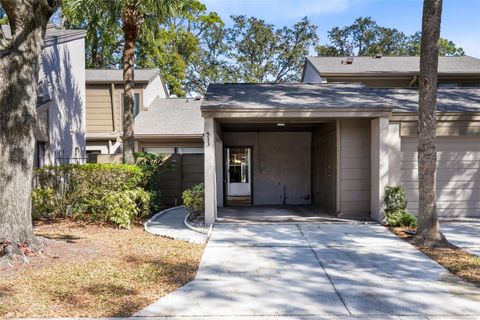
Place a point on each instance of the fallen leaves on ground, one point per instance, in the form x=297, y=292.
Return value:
x=95, y=271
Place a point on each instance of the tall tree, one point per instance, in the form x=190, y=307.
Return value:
x=132, y=14
x=19, y=75
x=262, y=53
x=365, y=37
x=428, y=230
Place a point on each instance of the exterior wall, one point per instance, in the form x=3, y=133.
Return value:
x=153, y=90
x=324, y=166
x=310, y=75
x=64, y=77
x=397, y=82
x=355, y=173
x=458, y=175
x=281, y=165
x=103, y=114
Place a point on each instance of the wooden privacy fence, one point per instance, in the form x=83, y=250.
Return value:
x=184, y=172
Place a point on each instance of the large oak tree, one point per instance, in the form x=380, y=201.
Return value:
x=19, y=75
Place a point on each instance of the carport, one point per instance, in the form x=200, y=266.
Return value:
x=286, y=145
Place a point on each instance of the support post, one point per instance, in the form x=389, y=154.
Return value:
x=210, y=171
x=379, y=165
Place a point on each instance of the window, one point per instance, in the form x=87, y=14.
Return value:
x=239, y=165
x=160, y=150
x=136, y=103
x=190, y=150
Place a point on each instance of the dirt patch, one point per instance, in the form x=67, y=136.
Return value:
x=456, y=260
x=90, y=270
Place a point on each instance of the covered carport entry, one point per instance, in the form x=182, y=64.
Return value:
x=294, y=145
x=278, y=170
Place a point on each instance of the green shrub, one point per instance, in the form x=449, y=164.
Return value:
x=401, y=218
x=99, y=192
x=153, y=165
x=45, y=203
x=395, y=204
x=194, y=201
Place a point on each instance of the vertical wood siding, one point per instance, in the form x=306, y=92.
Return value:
x=355, y=170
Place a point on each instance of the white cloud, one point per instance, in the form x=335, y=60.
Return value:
x=276, y=11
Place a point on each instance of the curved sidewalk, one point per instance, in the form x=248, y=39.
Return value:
x=169, y=223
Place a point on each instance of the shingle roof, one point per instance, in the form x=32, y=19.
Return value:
x=332, y=96
x=171, y=116
x=406, y=65
x=448, y=99
x=115, y=75
x=53, y=34
x=290, y=96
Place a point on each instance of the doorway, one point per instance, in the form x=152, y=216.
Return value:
x=239, y=175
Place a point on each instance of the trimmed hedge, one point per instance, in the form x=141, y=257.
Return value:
x=112, y=193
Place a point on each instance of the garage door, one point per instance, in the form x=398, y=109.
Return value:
x=458, y=175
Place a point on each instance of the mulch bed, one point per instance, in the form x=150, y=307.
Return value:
x=456, y=260
x=92, y=270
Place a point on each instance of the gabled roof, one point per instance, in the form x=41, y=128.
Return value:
x=116, y=75
x=54, y=34
x=331, y=96
x=392, y=65
x=170, y=117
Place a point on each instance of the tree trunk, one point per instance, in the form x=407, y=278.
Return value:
x=131, y=27
x=19, y=72
x=428, y=230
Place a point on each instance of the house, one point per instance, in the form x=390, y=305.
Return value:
x=60, y=130
x=173, y=127
x=390, y=72
x=104, y=105
x=335, y=144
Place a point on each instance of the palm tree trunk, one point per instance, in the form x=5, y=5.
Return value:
x=428, y=231
x=19, y=72
x=131, y=28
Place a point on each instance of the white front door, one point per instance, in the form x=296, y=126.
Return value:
x=239, y=174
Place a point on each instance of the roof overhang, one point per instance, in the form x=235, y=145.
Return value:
x=384, y=111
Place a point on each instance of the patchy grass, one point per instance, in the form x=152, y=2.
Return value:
x=456, y=260
x=95, y=271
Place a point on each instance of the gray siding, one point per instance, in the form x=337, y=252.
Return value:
x=280, y=160
x=355, y=170
x=458, y=175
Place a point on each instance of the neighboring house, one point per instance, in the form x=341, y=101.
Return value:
x=337, y=145
x=60, y=131
x=174, y=127
x=104, y=100
x=392, y=72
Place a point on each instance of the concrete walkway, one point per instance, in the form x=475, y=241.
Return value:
x=169, y=223
x=316, y=271
x=465, y=235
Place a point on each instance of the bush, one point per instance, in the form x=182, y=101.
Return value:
x=152, y=165
x=395, y=203
x=194, y=201
x=101, y=192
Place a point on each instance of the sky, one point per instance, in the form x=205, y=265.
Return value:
x=460, y=18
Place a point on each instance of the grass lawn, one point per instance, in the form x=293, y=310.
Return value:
x=456, y=260
x=95, y=271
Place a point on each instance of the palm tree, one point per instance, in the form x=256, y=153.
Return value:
x=132, y=14
x=428, y=231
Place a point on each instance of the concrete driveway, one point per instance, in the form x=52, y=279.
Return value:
x=465, y=235
x=316, y=271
